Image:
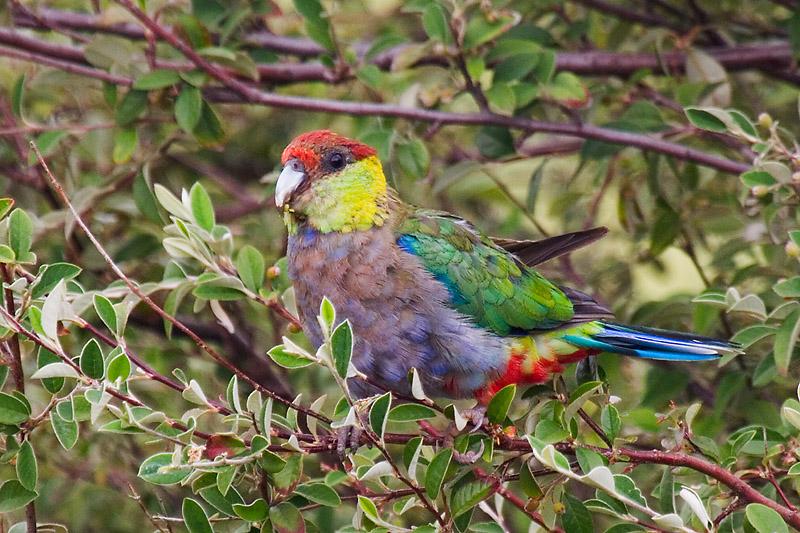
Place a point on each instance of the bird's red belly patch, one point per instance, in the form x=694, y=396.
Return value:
x=526, y=367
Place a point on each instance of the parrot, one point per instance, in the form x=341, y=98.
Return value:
x=425, y=289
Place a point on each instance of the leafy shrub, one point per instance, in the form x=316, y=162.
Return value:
x=151, y=361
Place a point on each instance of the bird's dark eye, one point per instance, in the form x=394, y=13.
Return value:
x=336, y=161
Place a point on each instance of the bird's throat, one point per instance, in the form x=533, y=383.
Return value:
x=355, y=199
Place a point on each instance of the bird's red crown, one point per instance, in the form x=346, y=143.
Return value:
x=309, y=147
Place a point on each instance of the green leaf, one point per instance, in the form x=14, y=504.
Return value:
x=468, y=494
x=7, y=254
x=119, y=368
x=287, y=359
x=106, y=311
x=437, y=469
x=502, y=98
x=286, y=518
x=91, y=361
x=125, y=141
x=44, y=358
x=481, y=29
x=785, y=340
x=13, y=495
x=435, y=21
x=576, y=517
x=52, y=274
x=410, y=412
x=195, y=517
x=202, y=208
x=753, y=178
x=12, y=411
x=47, y=143
x=664, y=231
x=789, y=288
x=528, y=482
x=752, y=334
x=319, y=493
x=271, y=462
x=209, y=130
x=497, y=409
x=157, y=79
x=378, y=413
x=549, y=431
x=568, y=89
x=254, y=512
x=413, y=158
x=610, y=421
x=515, y=67
x=342, y=347
x=218, y=289
x=534, y=185
x=188, y=108
x=704, y=120
x=16, y=96
x=327, y=312
x=250, y=266
x=66, y=430
x=765, y=519
x=132, y=106
x=7, y=203
x=55, y=370
x=27, y=467
x=495, y=142
x=149, y=470
x=20, y=232
x=144, y=198
x=744, y=123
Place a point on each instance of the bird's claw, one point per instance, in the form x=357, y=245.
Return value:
x=477, y=416
x=348, y=439
x=469, y=457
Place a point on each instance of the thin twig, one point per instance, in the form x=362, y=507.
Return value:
x=19, y=378
x=513, y=499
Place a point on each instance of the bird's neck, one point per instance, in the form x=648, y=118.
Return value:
x=356, y=199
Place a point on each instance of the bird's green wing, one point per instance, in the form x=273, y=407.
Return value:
x=485, y=282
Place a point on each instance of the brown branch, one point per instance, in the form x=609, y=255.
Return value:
x=772, y=57
x=237, y=91
x=625, y=13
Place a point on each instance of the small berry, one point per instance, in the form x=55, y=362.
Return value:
x=273, y=272
x=760, y=191
x=764, y=120
x=792, y=249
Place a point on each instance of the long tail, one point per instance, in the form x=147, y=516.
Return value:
x=652, y=343
x=535, y=359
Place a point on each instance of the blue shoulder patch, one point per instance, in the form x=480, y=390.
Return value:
x=408, y=244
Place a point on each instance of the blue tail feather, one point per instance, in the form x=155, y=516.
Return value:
x=651, y=343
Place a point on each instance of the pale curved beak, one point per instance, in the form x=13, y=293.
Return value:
x=289, y=180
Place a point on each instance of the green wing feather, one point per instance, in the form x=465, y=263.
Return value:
x=485, y=282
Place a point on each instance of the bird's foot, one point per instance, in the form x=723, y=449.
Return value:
x=477, y=416
x=468, y=457
x=348, y=439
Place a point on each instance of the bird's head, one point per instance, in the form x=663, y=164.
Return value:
x=332, y=183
